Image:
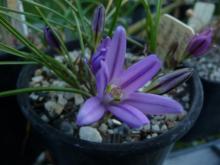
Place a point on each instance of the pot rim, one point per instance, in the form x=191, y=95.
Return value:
x=164, y=139
x=211, y=82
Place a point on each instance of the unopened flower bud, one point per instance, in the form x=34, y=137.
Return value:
x=169, y=81
x=51, y=38
x=200, y=43
x=98, y=20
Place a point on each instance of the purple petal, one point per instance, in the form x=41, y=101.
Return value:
x=116, y=53
x=102, y=79
x=139, y=74
x=90, y=112
x=153, y=104
x=100, y=54
x=128, y=114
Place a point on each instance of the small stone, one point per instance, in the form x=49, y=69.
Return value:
x=185, y=98
x=60, y=59
x=163, y=128
x=155, y=128
x=154, y=135
x=45, y=118
x=37, y=79
x=45, y=83
x=90, y=134
x=68, y=95
x=36, y=85
x=135, y=131
x=53, y=108
x=116, y=122
x=110, y=131
x=147, y=128
x=74, y=55
x=78, y=99
x=33, y=96
x=171, y=124
x=155, y=122
x=171, y=117
x=159, y=117
x=38, y=72
x=59, y=83
x=41, y=98
x=103, y=128
x=61, y=100
x=67, y=128
x=148, y=136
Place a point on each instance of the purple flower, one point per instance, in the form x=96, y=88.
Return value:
x=98, y=19
x=100, y=54
x=117, y=88
x=169, y=81
x=200, y=43
x=51, y=38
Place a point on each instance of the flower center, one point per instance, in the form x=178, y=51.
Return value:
x=115, y=92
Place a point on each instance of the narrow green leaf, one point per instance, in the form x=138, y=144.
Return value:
x=6, y=12
x=42, y=89
x=18, y=12
x=115, y=17
x=149, y=25
x=48, y=9
x=81, y=16
x=17, y=62
x=79, y=33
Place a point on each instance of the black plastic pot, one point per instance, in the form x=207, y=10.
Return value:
x=67, y=150
x=208, y=123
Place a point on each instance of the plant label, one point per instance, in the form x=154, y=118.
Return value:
x=172, y=32
x=202, y=15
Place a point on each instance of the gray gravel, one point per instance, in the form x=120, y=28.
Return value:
x=208, y=66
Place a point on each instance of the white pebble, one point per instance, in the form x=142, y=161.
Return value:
x=154, y=135
x=37, y=79
x=34, y=96
x=61, y=100
x=78, y=99
x=163, y=128
x=44, y=118
x=155, y=128
x=53, y=108
x=116, y=122
x=171, y=117
x=90, y=134
x=103, y=128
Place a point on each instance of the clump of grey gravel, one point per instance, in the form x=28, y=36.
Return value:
x=59, y=109
x=208, y=66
